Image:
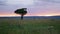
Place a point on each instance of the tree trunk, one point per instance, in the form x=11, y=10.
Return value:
x=21, y=17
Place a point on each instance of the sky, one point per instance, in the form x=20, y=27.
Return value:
x=34, y=7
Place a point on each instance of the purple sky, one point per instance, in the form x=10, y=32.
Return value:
x=35, y=7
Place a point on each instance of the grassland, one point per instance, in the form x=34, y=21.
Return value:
x=29, y=26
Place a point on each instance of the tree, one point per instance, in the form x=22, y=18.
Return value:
x=21, y=12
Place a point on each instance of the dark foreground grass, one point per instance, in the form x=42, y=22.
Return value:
x=29, y=26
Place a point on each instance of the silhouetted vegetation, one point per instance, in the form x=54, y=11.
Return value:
x=21, y=12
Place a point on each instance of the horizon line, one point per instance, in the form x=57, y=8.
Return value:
x=27, y=16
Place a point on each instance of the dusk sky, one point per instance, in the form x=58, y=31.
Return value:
x=34, y=7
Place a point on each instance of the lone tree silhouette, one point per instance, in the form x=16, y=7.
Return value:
x=21, y=12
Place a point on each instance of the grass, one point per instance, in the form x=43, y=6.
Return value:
x=29, y=26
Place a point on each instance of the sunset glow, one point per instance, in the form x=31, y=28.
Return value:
x=34, y=7
x=48, y=15
x=14, y=15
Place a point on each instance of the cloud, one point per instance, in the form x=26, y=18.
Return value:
x=47, y=3
x=53, y=1
x=20, y=2
x=38, y=7
x=2, y=2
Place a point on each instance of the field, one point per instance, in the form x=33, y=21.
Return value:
x=29, y=26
